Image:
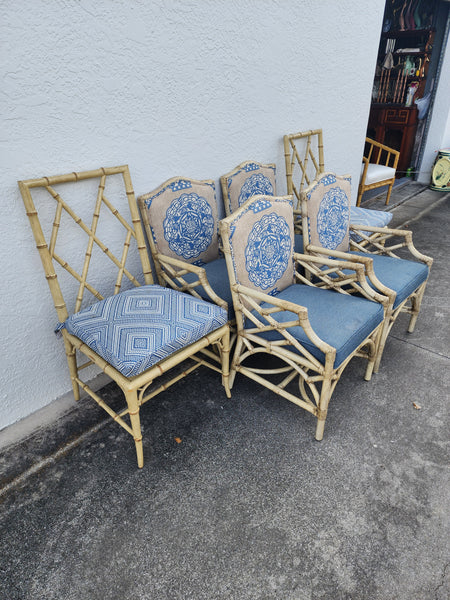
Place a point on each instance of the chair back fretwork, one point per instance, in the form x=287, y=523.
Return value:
x=49, y=249
x=304, y=160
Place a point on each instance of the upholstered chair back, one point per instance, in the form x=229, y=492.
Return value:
x=246, y=180
x=183, y=219
x=258, y=243
x=326, y=212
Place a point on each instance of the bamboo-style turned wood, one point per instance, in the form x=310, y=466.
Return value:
x=378, y=153
x=314, y=379
x=134, y=388
x=299, y=149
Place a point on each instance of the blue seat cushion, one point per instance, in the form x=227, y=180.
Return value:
x=365, y=216
x=135, y=329
x=298, y=243
x=339, y=320
x=217, y=274
x=400, y=275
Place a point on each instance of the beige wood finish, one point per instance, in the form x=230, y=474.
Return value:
x=373, y=241
x=136, y=389
x=313, y=381
x=379, y=154
x=304, y=161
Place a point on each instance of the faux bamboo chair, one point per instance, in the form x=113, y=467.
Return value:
x=327, y=228
x=248, y=179
x=132, y=332
x=378, y=168
x=314, y=332
x=181, y=222
x=304, y=162
x=238, y=186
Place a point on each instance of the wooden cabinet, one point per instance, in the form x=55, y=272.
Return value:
x=396, y=127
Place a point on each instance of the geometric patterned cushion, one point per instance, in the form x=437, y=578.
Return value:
x=137, y=328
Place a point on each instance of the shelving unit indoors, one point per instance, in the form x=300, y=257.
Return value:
x=404, y=57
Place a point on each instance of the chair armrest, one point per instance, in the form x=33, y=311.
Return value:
x=173, y=270
x=347, y=273
x=376, y=242
x=251, y=302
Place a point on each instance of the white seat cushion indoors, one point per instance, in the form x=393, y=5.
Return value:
x=376, y=173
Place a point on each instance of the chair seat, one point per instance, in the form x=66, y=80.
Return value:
x=376, y=173
x=400, y=275
x=217, y=274
x=135, y=329
x=340, y=320
x=365, y=216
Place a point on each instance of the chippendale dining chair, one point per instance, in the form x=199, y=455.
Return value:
x=378, y=168
x=327, y=229
x=304, y=162
x=248, y=179
x=313, y=332
x=181, y=222
x=134, y=333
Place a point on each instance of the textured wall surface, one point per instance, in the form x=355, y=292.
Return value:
x=189, y=87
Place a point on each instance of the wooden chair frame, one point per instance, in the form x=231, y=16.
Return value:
x=316, y=380
x=309, y=154
x=381, y=241
x=227, y=178
x=171, y=271
x=377, y=153
x=135, y=389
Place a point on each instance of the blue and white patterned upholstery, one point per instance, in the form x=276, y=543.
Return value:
x=262, y=252
x=183, y=218
x=135, y=329
x=400, y=275
x=246, y=180
x=327, y=211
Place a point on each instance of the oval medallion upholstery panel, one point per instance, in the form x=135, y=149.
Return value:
x=249, y=179
x=329, y=212
x=183, y=219
x=261, y=241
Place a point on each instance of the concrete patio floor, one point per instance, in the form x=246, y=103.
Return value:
x=249, y=506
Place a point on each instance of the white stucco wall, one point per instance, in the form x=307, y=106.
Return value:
x=170, y=87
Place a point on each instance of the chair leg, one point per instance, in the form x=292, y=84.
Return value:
x=234, y=362
x=133, y=410
x=225, y=362
x=389, y=193
x=416, y=301
x=324, y=400
x=360, y=195
x=73, y=367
